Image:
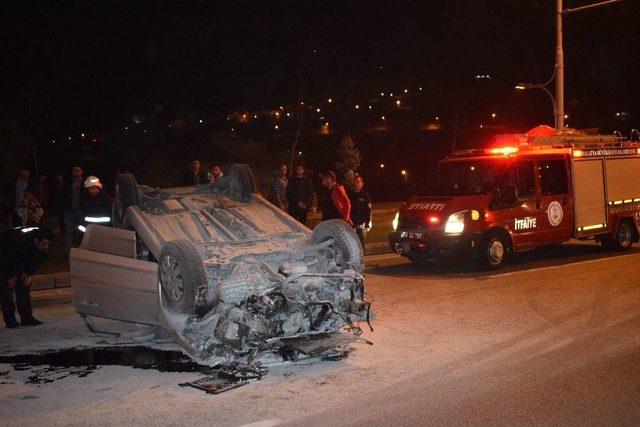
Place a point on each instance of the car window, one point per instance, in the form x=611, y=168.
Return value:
x=553, y=177
x=525, y=179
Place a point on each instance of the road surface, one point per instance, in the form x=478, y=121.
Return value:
x=552, y=339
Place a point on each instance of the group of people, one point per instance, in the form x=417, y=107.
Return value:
x=195, y=176
x=294, y=194
x=24, y=246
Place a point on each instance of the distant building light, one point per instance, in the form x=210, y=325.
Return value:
x=329, y=100
x=493, y=115
x=383, y=118
x=69, y=138
x=420, y=88
x=288, y=114
x=126, y=128
x=255, y=116
x=201, y=120
x=276, y=127
x=437, y=118
x=317, y=110
x=398, y=102
x=381, y=165
x=82, y=135
x=233, y=130
x=277, y=115
x=381, y=93
x=566, y=116
x=326, y=124
x=406, y=91
x=391, y=95
x=403, y=172
x=481, y=126
x=357, y=107
x=299, y=153
x=370, y=107
x=282, y=108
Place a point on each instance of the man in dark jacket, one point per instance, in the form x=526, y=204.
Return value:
x=360, y=209
x=72, y=202
x=98, y=206
x=299, y=195
x=22, y=251
x=193, y=176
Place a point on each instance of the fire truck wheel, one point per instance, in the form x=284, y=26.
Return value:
x=493, y=250
x=624, y=238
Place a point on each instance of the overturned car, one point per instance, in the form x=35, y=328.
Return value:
x=222, y=271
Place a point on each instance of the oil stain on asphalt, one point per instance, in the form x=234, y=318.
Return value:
x=49, y=366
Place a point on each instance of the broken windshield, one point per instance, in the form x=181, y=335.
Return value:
x=464, y=178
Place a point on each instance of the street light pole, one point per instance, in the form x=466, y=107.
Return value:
x=559, y=101
x=559, y=69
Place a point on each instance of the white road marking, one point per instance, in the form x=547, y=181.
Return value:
x=263, y=423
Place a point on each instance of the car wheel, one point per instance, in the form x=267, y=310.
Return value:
x=493, y=251
x=182, y=277
x=624, y=237
x=245, y=183
x=349, y=253
x=126, y=194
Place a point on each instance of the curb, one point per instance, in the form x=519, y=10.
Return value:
x=50, y=281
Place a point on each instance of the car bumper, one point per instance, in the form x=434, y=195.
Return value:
x=429, y=245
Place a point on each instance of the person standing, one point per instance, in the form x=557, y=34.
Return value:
x=299, y=195
x=72, y=196
x=15, y=194
x=98, y=206
x=279, y=188
x=22, y=251
x=215, y=174
x=360, y=209
x=336, y=202
x=193, y=176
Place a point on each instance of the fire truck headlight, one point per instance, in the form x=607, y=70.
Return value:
x=394, y=223
x=455, y=223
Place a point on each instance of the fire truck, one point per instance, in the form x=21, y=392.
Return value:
x=523, y=192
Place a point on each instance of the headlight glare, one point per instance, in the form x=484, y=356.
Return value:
x=455, y=223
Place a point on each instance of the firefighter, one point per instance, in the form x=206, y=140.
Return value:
x=360, y=209
x=336, y=202
x=98, y=206
x=22, y=251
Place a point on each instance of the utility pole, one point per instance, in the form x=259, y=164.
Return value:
x=559, y=107
x=560, y=54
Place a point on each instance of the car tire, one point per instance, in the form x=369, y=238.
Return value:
x=493, y=251
x=126, y=194
x=624, y=236
x=350, y=254
x=182, y=278
x=246, y=182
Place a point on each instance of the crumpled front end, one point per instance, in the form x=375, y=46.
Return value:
x=304, y=300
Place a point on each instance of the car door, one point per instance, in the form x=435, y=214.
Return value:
x=555, y=200
x=108, y=281
x=520, y=213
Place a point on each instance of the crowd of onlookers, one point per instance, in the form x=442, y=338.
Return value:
x=294, y=193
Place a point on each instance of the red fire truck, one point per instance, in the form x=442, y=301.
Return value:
x=523, y=192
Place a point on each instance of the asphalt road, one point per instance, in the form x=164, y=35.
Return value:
x=552, y=339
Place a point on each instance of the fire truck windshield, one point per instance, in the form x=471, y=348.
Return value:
x=464, y=178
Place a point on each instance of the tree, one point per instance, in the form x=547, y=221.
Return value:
x=348, y=158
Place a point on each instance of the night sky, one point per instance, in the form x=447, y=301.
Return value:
x=101, y=61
